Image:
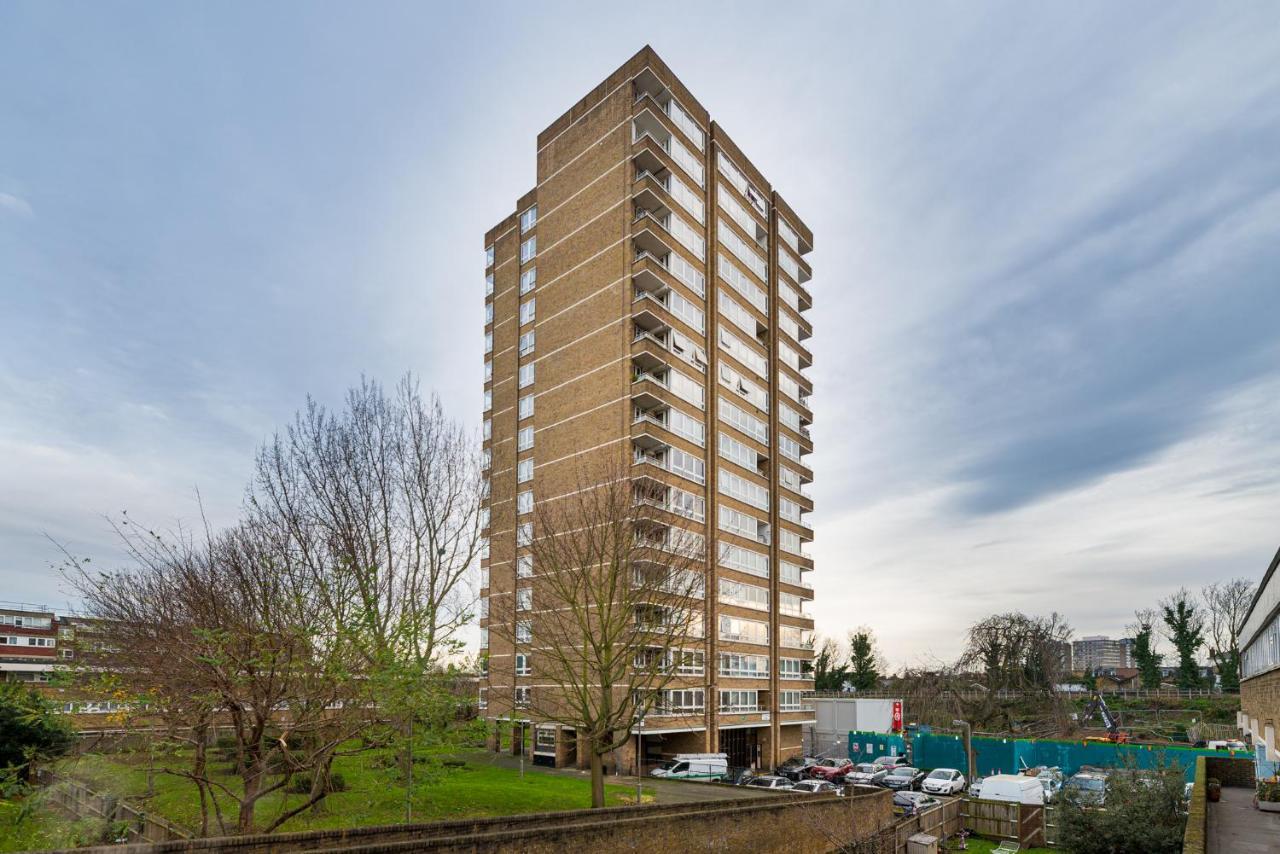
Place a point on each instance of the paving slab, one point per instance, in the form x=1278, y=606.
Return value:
x=1237, y=827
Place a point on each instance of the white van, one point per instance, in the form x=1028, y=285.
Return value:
x=1011, y=788
x=694, y=766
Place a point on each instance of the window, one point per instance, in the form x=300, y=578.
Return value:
x=687, y=426
x=488, y=255
x=788, y=235
x=738, y=452
x=791, y=604
x=744, y=490
x=791, y=573
x=488, y=399
x=526, y=406
x=482, y=701
x=738, y=418
x=789, y=541
x=486, y=429
x=528, y=310
x=526, y=375
x=528, y=279
x=524, y=631
x=687, y=465
x=523, y=665
x=739, y=316
x=687, y=161
x=789, y=355
x=790, y=701
x=739, y=701
x=788, y=386
x=524, y=566
x=529, y=249
x=688, y=236
x=790, y=479
x=744, y=560
x=739, y=214
x=736, y=382
x=795, y=637
x=789, y=325
x=686, y=504
x=488, y=284
x=740, y=664
x=486, y=458
x=736, y=522
x=526, y=343
x=789, y=265
x=685, y=310
x=485, y=488
x=484, y=607
x=524, y=439
x=789, y=416
x=789, y=447
x=528, y=219
x=688, y=199
x=484, y=548
x=484, y=576
x=686, y=123
x=524, y=533
x=488, y=342
x=687, y=388
x=524, y=502
x=744, y=595
x=484, y=517
x=794, y=668
x=524, y=471
x=745, y=631
x=488, y=313
x=744, y=253
x=523, y=697
x=738, y=348
x=742, y=283
x=789, y=510
x=484, y=638
x=687, y=273
x=524, y=599
x=680, y=701
x=488, y=370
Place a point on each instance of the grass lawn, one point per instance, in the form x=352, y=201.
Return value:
x=374, y=795
x=41, y=828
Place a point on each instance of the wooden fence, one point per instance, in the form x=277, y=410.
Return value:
x=942, y=821
x=1031, y=825
x=133, y=824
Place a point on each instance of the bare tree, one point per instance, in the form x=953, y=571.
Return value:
x=1228, y=604
x=380, y=504
x=1018, y=652
x=226, y=627
x=612, y=615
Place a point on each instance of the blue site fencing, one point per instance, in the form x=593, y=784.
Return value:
x=866, y=746
x=1011, y=756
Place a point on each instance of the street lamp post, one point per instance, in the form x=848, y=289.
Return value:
x=639, y=757
x=968, y=748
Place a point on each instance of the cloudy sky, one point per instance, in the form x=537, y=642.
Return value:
x=1047, y=265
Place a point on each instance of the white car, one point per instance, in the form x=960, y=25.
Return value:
x=770, y=782
x=943, y=781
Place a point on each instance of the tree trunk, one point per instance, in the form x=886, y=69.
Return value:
x=199, y=770
x=597, y=776
x=252, y=783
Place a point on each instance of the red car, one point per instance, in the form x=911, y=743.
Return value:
x=830, y=770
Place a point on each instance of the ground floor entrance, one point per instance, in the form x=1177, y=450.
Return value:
x=742, y=746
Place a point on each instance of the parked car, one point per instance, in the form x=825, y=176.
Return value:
x=815, y=787
x=866, y=774
x=770, y=781
x=1087, y=787
x=795, y=767
x=1010, y=788
x=694, y=766
x=891, y=762
x=943, y=781
x=914, y=802
x=738, y=776
x=1051, y=781
x=902, y=777
x=829, y=769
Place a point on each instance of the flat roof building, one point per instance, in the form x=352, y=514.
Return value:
x=647, y=302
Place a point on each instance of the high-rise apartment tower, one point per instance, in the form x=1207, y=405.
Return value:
x=649, y=300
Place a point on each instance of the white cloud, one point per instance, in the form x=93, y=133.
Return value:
x=16, y=204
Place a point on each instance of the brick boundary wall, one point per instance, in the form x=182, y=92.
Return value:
x=783, y=823
x=1230, y=771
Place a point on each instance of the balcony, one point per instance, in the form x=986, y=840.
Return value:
x=649, y=314
x=650, y=192
x=649, y=273
x=649, y=354
x=651, y=236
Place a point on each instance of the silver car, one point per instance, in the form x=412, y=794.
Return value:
x=770, y=782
